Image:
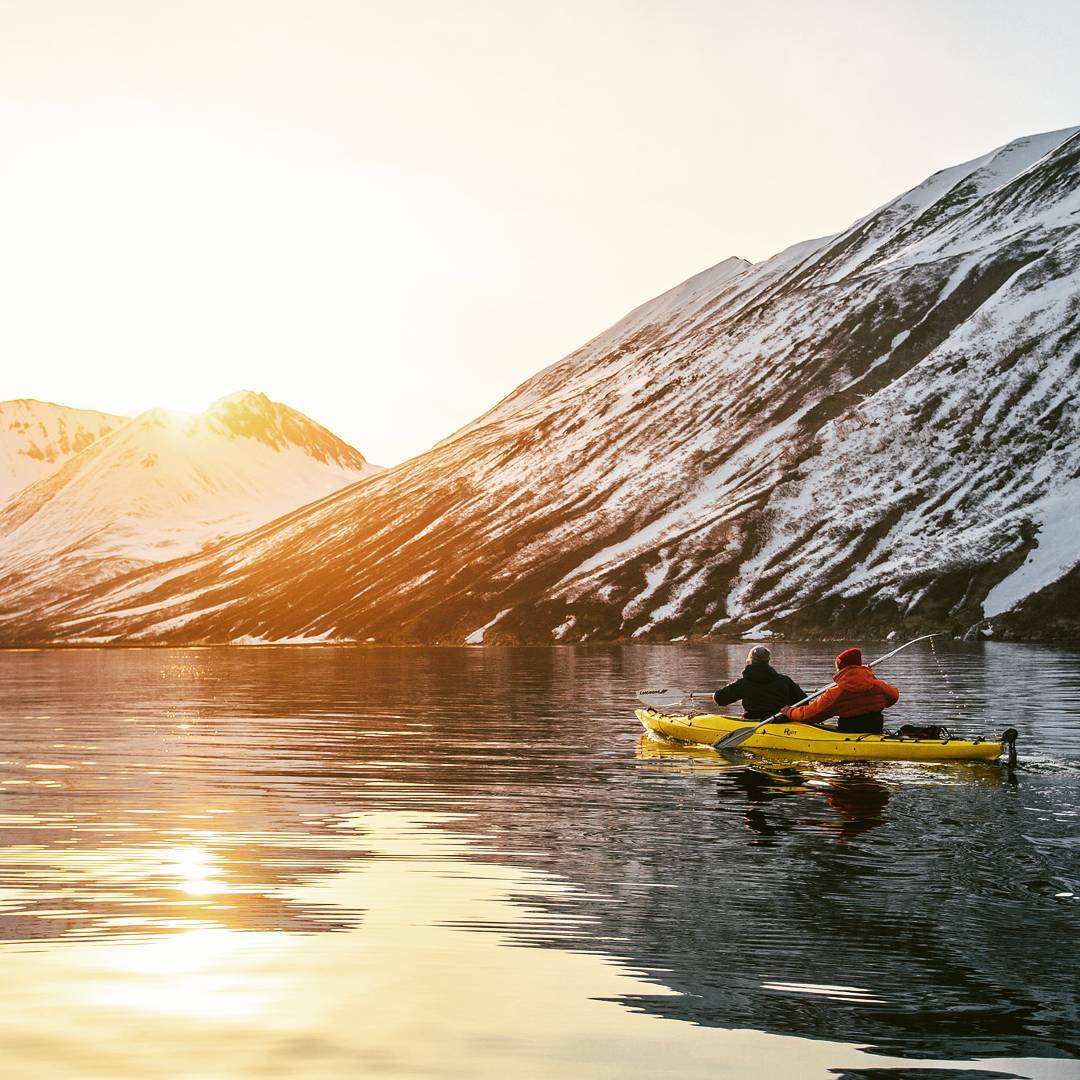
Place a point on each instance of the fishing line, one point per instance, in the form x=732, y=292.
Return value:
x=957, y=705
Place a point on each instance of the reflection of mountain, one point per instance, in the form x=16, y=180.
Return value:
x=910, y=939
x=159, y=486
x=870, y=430
x=905, y=908
x=158, y=828
x=172, y=883
x=837, y=942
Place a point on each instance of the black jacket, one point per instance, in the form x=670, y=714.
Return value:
x=763, y=691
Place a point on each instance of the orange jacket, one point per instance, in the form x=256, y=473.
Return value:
x=857, y=691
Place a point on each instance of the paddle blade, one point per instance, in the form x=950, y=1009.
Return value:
x=734, y=738
x=659, y=699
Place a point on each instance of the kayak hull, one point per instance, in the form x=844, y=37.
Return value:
x=788, y=737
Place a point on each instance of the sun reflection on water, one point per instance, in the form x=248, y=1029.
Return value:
x=196, y=973
x=195, y=868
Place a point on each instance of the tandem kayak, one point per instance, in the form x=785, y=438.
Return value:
x=789, y=737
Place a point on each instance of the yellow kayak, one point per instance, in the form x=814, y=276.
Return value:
x=789, y=737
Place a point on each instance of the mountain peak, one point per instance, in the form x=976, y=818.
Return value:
x=244, y=399
x=162, y=417
x=254, y=416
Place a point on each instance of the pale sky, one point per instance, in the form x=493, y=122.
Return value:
x=388, y=214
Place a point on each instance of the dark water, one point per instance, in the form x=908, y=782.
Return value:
x=321, y=862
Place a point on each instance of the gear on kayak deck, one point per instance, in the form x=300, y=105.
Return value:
x=925, y=731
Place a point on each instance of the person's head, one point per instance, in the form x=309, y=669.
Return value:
x=849, y=658
x=758, y=655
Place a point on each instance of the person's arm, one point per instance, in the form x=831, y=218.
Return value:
x=890, y=691
x=727, y=694
x=818, y=709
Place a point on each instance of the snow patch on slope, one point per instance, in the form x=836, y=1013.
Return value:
x=477, y=636
x=1057, y=551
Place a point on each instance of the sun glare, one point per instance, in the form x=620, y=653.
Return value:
x=195, y=868
x=196, y=973
x=191, y=260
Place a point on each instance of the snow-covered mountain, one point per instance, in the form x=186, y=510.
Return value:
x=870, y=432
x=37, y=437
x=161, y=486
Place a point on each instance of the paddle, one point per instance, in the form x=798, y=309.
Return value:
x=737, y=737
x=658, y=699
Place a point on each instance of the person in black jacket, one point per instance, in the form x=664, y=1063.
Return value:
x=762, y=689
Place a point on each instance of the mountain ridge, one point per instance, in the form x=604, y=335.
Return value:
x=860, y=435
x=160, y=485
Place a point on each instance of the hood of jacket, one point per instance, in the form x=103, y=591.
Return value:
x=855, y=677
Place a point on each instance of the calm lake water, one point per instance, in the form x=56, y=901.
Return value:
x=328, y=862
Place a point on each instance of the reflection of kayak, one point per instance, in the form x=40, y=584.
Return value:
x=792, y=738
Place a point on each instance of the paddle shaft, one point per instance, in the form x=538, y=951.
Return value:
x=740, y=735
x=660, y=698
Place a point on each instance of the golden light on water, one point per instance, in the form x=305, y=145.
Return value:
x=195, y=868
x=431, y=968
x=195, y=973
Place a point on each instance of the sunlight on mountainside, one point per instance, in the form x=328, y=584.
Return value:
x=155, y=486
x=178, y=417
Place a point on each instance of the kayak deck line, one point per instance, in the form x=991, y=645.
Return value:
x=787, y=736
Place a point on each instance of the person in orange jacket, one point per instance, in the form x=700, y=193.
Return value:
x=857, y=699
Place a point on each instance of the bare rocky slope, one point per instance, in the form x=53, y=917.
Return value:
x=870, y=432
